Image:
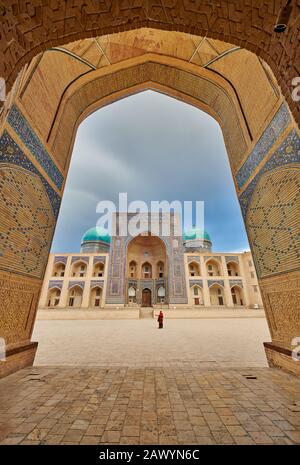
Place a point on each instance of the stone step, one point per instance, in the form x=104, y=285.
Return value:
x=146, y=312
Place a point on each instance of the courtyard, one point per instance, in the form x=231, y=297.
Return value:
x=126, y=382
x=138, y=343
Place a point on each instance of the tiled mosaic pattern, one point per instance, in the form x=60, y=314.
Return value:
x=27, y=222
x=79, y=258
x=211, y=282
x=53, y=284
x=58, y=259
x=235, y=282
x=265, y=143
x=196, y=282
x=97, y=283
x=11, y=153
x=232, y=258
x=76, y=283
x=21, y=126
x=182, y=404
x=287, y=153
x=273, y=222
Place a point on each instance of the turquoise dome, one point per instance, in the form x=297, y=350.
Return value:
x=196, y=233
x=95, y=235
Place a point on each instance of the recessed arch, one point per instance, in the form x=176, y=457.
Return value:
x=251, y=27
x=271, y=143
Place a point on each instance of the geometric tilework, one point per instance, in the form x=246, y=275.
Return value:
x=211, y=282
x=20, y=125
x=75, y=259
x=27, y=222
x=196, y=282
x=273, y=222
x=76, y=283
x=58, y=259
x=100, y=259
x=232, y=258
x=235, y=282
x=265, y=143
x=57, y=284
x=287, y=153
x=11, y=153
x=97, y=283
x=193, y=259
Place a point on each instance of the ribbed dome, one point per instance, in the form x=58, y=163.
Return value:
x=196, y=233
x=95, y=235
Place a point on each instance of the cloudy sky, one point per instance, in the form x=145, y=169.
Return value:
x=154, y=148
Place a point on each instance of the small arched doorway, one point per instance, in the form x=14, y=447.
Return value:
x=146, y=298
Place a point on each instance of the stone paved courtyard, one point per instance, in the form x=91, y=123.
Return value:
x=195, y=382
x=224, y=342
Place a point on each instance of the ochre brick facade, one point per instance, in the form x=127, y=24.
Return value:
x=60, y=87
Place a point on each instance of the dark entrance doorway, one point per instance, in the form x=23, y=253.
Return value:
x=146, y=298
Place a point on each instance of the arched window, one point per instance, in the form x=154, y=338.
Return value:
x=161, y=294
x=213, y=268
x=131, y=295
x=75, y=296
x=160, y=269
x=132, y=269
x=53, y=297
x=194, y=269
x=197, y=296
x=98, y=270
x=146, y=270
x=79, y=269
x=95, y=297
x=59, y=269
x=237, y=296
x=216, y=292
x=232, y=269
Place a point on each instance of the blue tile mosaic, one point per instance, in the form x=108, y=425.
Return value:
x=235, y=282
x=76, y=258
x=20, y=125
x=11, y=153
x=287, y=153
x=55, y=284
x=196, y=282
x=265, y=143
x=211, y=282
x=97, y=283
x=76, y=283
x=62, y=259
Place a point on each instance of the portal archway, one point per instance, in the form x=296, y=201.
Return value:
x=262, y=143
x=33, y=28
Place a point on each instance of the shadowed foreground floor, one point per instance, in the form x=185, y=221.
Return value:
x=178, y=405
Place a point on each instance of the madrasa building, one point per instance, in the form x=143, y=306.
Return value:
x=172, y=271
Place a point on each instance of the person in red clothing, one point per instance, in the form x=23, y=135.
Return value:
x=160, y=320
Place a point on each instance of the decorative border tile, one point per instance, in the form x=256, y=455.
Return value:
x=21, y=126
x=196, y=282
x=11, y=153
x=55, y=284
x=78, y=258
x=99, y=259
x=232, y=258
x=287, y=153
x=76, y=283
x=236, y=282
x=211, y=282
x=57, y=259
x=97, y=284
x=278, y=124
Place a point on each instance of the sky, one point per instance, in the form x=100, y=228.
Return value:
x=153, y=147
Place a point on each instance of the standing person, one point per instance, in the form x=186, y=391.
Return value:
x=160, y=320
